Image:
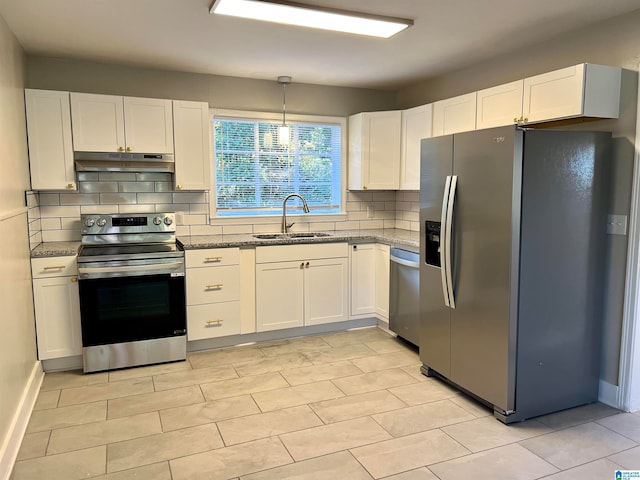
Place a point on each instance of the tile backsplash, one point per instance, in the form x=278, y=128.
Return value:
x=55, y=216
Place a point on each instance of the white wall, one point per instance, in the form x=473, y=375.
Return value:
x=17, y=331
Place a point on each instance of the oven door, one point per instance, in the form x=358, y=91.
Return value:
x=131, y=302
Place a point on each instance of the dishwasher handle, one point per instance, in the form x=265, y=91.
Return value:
x=406, y=263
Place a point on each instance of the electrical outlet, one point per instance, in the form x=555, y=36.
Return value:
x=617, y=224
x=370, y=212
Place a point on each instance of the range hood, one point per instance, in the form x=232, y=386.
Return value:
x=124, y=162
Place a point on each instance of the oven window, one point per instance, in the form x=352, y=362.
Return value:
x=126, y=309
x=133, y=299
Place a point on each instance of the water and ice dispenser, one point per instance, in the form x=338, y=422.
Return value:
x=432, y=243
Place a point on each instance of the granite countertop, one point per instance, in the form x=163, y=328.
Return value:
x=55, y=249
x=391, y=236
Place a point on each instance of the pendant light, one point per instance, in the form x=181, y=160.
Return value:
x=283, y=130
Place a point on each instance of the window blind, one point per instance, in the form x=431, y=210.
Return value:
x=254, y=172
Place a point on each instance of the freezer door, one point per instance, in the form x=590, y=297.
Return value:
x=436, y=166
x=488, y=166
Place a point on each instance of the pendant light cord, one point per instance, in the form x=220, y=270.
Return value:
x=284, y=104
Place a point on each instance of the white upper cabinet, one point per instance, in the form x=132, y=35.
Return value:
x=416, y=125
x=49, y=134
x=374, y=150
x=453, y=115
x=499, y=106
x=192, y=137
x=148, y=125
x=110, y=123
x=584, y=90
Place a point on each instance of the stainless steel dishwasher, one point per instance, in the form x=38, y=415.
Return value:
x=404, y=294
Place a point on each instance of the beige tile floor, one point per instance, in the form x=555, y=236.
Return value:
x=348, y=405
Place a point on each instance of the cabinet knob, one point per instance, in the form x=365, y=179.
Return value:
x=179, y=187
x=355, y=247
x=71, y=186
x=307, y=265
x=515, y=120
x=525, y=120
x=121, y=149
x=364, y=187
x=301, y=264
x=129, y=149
x=74, y=280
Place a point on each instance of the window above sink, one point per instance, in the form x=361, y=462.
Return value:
x=253, y=172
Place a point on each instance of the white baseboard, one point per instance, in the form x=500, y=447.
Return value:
x=11, y=443
x=608, y=394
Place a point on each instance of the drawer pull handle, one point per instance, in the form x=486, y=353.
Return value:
x=213, y=259
x=57, y=267
x=215, y=323
x=215, y=286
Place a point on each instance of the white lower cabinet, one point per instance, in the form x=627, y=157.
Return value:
x=363, y=279
x=57, y=307
x=301, y=285
x=382, y=253
x=370, y=280
x=213, y=293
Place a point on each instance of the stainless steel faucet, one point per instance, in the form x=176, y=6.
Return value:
x=286, y=226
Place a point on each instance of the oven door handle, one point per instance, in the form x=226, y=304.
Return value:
x=129, y=268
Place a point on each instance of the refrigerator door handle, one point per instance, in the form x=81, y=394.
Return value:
x=449, y=236
x=443, y=240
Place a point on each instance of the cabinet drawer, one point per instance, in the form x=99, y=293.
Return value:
x=209, y=285
x=212, y=257
x=289, y=253
x=54, y=267
x=213, y=320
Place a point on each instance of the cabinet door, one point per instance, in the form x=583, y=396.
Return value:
x=501, y=105
x=148, y=124
x=326, y=298
x=98, y=123
x=57, y=308
x=416, y=125
x=374, y=150
x=554, y=94
x=363, y=279
x=279, y=295
x=453, y=115
x=192, y=135
x=49, y=134
x=382, y=280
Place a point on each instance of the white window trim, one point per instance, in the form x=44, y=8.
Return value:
x=277, y=116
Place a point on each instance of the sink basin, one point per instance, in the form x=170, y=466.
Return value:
x=281, y=236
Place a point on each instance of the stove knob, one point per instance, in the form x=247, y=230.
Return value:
x=89, y=222
x=101, y=222
x=168, y=221
x=157, y=221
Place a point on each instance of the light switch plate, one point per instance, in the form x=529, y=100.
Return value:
x=617, y=224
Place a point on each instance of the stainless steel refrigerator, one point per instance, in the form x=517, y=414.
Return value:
x=513, y=225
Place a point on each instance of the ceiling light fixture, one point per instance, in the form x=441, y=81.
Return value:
x=283, y=130
x=292, y=13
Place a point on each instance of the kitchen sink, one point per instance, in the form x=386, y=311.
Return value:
x=281, y=236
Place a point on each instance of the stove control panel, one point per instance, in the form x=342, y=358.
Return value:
x=138, y=223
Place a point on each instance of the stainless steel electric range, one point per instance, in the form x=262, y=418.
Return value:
x=132, y=291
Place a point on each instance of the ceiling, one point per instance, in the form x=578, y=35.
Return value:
x=182, y=35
